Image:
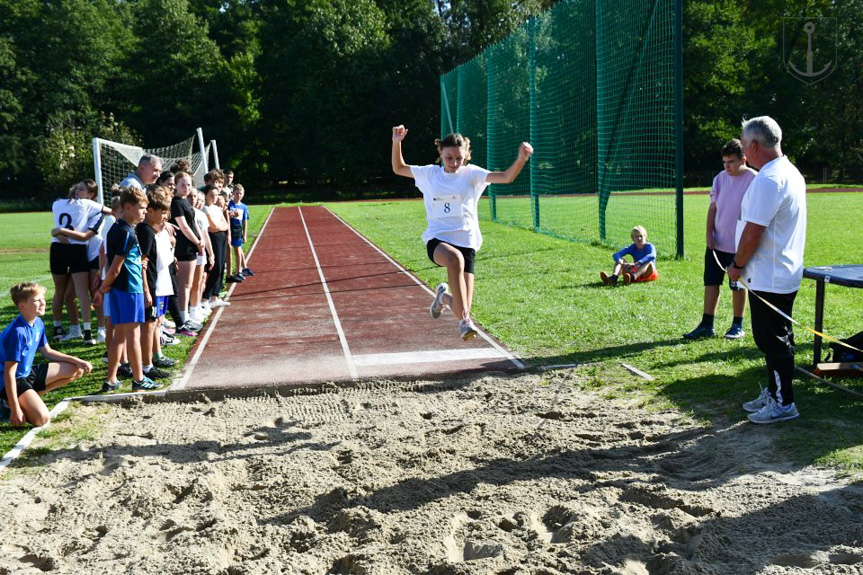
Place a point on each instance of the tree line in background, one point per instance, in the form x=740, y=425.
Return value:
x=302, y=93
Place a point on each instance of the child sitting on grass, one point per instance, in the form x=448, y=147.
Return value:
x=22, y=383
x=643, y=267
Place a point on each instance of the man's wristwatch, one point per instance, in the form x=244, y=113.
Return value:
x=735, y=266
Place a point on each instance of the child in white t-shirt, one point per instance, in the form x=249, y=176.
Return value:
x=451, y=193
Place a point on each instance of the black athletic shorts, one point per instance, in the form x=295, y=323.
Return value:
x=468, y=253
x=715, y=275
x=36, y=380
x=68, y=258
x=185, y=251
x=94, y=263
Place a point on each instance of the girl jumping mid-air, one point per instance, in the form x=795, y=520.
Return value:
x=451, y=193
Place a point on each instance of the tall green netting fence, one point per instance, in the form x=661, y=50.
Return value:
x=594, y=85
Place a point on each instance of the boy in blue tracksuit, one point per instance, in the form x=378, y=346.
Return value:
x=643, y=266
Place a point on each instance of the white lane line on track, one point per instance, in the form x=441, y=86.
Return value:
x=436, y=356
x=352, y=368
x=25, y=441
x=515, y=361
x=211, y=326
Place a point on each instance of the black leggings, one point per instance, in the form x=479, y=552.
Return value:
x=773, y=336
x=215, y=278
x=173, y=305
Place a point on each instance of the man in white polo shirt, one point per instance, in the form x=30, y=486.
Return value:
x=771, y=236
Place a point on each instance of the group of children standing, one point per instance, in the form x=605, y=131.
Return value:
x=161, y=247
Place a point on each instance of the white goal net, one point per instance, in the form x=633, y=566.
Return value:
x=113, y=161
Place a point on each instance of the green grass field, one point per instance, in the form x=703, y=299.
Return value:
x=541, y=296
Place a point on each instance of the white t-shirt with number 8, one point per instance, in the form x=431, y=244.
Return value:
x=451, y=203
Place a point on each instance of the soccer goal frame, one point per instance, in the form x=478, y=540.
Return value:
x=113, y=161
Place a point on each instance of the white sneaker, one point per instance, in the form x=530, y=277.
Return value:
x=437, y=304
x=100, y=335
x=219, y=302
x=74, y=333
x=168, y=323
x=773, y=412
x=759, y=402
x=468, y=329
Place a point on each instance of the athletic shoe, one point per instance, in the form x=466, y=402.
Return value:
x=235, y=279
x=607, y=279
x=735, y=332
x=168, y=330
x=169, y=340
x=757, y=403
x=124, y=370
x=194, y=325
x=145, y=384
x=74, y=333
x=773, y=412
x=5, y=412
x=168, y=324
x=100, y=335
x=700, y=332
x=59, y=332
x=108, y=387
x=164, y=361
x=197, y=321
x=468, y=329
x=88, y=337
x=219, y=302
x=247, y=272
x=156, y=373
x=627, y=278
x=437, y=304
x=186, y=332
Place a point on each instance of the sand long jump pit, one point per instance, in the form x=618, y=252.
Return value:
x=498, y=474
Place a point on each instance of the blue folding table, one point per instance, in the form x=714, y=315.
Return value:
x=850, y=276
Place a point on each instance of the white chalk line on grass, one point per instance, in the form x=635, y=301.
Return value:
x=352, y=368
x=31, y=435
x=505, y=353
x=211, y=326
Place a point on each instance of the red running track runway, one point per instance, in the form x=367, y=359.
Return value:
x=327, y=305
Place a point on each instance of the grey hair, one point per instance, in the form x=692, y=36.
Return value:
x=147, y=159
x=765, y=130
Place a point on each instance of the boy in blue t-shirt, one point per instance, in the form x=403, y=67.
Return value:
x=239, y=226
x=124, y=280
x=643, y=266
x=22, y=383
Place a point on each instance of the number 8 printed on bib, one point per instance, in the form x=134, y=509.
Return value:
x=446, y=206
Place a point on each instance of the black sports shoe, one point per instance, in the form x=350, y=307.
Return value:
x=108, y=387
x=699, y=332
x=145, y=384
x=125, y=370
x=247, y=272
x=156, y=373
x=164, y=361
x=59, y=331
x=235, y=279
x=88, y=337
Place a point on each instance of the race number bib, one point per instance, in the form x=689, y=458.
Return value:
x=446, y=206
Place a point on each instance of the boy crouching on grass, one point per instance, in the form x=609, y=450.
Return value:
x=22, y=383
x=125, y=282
x=643, y=266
